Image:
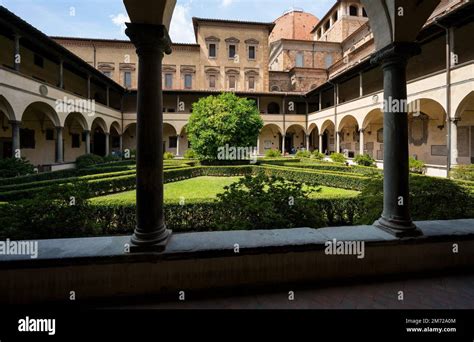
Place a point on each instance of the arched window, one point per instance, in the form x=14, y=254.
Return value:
x=353, y=11
x=275, y=88
x=273, y=108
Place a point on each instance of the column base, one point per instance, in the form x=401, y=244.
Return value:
x=399, y=229
x=150, y=242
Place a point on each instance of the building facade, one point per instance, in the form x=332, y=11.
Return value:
x=311, y=79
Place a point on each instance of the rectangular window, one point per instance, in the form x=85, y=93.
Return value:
x=173, y=142
x=168, y=81
x=232, y=51
x=188, y=81
x=212, y=81
x=252, y=83
x=49, y=135
x=300, y=60
x=212, y=51
x=27, y=138
x=75, y=140
x=252, y=52
x=39, y=61
x=232, y=82
x=127, y=79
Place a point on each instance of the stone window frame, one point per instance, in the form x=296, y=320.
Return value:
x=353, y=5
x=104, y=67
x=252, y=43
x=127, y=67
x=167, y=70
x=212, y=40
x=188, y=70
x=229, y=42
x=232, y=72
x=212, y=72
x=299, y=54
x=252, y=73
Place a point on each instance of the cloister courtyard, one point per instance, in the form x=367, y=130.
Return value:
x=330, y=166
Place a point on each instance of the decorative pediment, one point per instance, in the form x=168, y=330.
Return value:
x=212, y=70
x=188, y=69
x=127, y=67
x=252, y=72
x=213, y=39
x=232, y=40
x=252, y=42
x=232, y=71
x=169, y=68
x=106, y=66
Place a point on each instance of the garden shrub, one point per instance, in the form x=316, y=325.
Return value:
x=272, y=154
x=338, y=158
x=14, y=167
x=463, y=172
x=190, y=154
x=429, y=199
x=318, y=155
x=53, y=213
x=417, y=166
x=364, y=160
x=168, y=156
x=111, y=159
x=88, y=160
x=303, y=154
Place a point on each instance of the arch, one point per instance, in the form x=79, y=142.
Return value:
x=273, y=108
x=6, y=108
x=129, y=126
x=275, y=88
x=466, y=104
x=78, y=118
x=328, y=124
x=353, y=11
x=347, y=121
x=313, y=128
x=273, y=126
x=270, y=138
x=294, y=126
x=100, y=123
x=36, y=108
x=116, y=126
x=375, y=115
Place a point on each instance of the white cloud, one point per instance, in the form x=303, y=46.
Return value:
x=227, y=3
x=181, y=30
x=120, y=20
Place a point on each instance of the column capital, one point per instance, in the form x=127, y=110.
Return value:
x=396, y=52
x=149, y=39
x=86, y=131
x=455, y=120
x=362, y=130
x=14, y=122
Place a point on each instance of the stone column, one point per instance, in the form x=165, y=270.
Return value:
x=177, y=145
x=283, y=148
x=321, y=143
x=107, y=144
x=361, y=141
x=121, y=145
x=59, y=145
x=16, y=152
x=17, y=53
x=258, y=145
x=88, y=141
x=151, y=41
x=307, y=142
x=396, y=218
x=454, y=142
x=338, y=141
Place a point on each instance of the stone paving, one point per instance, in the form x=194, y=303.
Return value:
x=439, y=292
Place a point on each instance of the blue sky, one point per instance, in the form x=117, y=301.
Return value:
x=105, y=18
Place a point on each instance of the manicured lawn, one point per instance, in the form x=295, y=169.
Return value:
x=206, y=188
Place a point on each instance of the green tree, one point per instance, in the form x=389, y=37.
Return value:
x=223, y=120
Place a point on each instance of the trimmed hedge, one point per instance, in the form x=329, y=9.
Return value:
x=208, y=215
